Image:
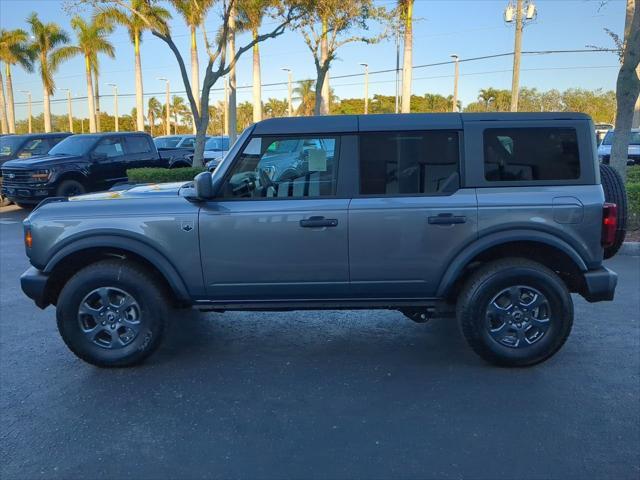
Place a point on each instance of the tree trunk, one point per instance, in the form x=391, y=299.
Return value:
x=195, y=73
x=175, y=122
x=139, y=88
x=321, y=74
x=10, y=104
x=96, y=91
x=232, y=77
x=3, y=108
x=257, y=88
x=407, y=57
x=46, y=100
x=151, y=122
x=90, y=95
x=627, y=91
x=324, y=55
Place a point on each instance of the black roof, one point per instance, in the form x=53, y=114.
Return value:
x=382, y=122
x=42, y=135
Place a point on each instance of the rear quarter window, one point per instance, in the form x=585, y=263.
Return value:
x=137, y=144
x=531, y=154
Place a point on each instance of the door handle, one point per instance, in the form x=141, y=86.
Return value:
x=447, y=219
x=317, y=222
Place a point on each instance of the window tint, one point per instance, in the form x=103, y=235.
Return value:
x=188, y=143
x=291, y=167
x=409, y=163
x=137, y=144
x=110, y=147
x=526, y=154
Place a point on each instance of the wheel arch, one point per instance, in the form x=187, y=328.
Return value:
x=80, y=253
x=545, y=248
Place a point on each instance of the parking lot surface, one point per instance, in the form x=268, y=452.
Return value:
x=345, y=394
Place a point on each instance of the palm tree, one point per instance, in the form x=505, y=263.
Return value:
x=14, y=49
x=92, y=40
x=136, y=26
x=193, y=14
x=48, y=39
x=3, y=109
x=306, y=95
x=154, y=110
x=250, y=13
x=179, y=110
x=406, y=16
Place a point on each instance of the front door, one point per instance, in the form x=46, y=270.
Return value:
x=411, y=217
x=277, y=231
x=108, y=161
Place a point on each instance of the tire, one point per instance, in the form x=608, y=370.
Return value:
x=135, y=332
x=537, y=339
x=615, y=192
x=179, y=165
x=70, y=188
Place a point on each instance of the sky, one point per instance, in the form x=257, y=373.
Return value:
x=468, y=28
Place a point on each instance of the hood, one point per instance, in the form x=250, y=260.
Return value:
x=40, y=162
x=137, y=191
x=606, y=149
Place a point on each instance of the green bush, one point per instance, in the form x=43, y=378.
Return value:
x=162, y=175
x=633, y=197
x=633, y=174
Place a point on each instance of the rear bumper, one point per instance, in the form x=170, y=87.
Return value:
x=34, y=285
x=600, y=285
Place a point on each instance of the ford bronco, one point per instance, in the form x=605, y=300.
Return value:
x=496, y=217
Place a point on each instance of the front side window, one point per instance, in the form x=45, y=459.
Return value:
x=137, y=144
x=529, y=154
x=278, y=167
x=109, y=147
x=34, y=147
x=411, y=163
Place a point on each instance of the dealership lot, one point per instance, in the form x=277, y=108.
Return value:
x=353, y=394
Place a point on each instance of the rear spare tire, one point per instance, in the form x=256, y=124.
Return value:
x=615, y=192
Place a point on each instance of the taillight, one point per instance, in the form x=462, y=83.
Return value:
x=609, y=223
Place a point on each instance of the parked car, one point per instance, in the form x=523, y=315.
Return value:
x=601, y=131
x=81, y=163
x=604, y=150
x=26, y=146
x=167, y=142
x=496, y=216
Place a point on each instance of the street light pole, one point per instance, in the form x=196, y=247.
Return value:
x=455, y=83
x=524, y=10
x=168, y=113
x=115, y=104
x=366, y=88
x=225, y=125
x=28, y=106
x=289, y=76
x=397, y=68
x=69, y=112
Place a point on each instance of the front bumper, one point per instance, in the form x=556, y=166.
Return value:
x=34, y=284
x=26, y=194
x=599, y=285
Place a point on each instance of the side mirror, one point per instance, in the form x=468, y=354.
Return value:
x=203, y=186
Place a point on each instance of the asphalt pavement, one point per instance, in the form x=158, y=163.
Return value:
x=349, y=394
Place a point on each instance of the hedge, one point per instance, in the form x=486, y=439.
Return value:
x=162, y=175
x=633, y=197
x=633, y=174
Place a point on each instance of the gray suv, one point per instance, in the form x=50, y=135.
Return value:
x=497, y=218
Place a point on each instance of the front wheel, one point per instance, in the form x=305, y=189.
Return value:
x=70, y=188
x=515, y=312
x=112, y=314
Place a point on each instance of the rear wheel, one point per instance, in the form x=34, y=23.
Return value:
x=615, y=192
x=70, y=188
x=112, y=314
x=515, y=312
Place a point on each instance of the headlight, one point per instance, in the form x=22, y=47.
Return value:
x=41, y=175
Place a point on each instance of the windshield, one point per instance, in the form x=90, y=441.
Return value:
x=74, y=145
x=633, y=140
x=9, y=145
x=217, y=144
x=167, y=142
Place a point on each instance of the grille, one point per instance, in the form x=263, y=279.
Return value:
x=16, y=176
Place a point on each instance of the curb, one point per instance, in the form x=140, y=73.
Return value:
x=630, y=248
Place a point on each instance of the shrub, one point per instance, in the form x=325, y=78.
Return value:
x=633, y=174
x=633, y=197
x=162, y=175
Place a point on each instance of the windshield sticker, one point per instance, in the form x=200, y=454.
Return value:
x=317, y=160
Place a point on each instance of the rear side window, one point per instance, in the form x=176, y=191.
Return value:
x=529, y=154
x=137, y=144
x=398, y=163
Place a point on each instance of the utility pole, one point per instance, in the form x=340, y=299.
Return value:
x=366, y=88
x=397, y=68
x=28, y=107
x=289, y=77
x=455, y=83
x=69, y=112
x=523, y=10
x=115, y=103
x=167, y=127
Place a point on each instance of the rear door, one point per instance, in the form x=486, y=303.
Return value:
x=411, y=214
x=273, y=237
x=140, y=152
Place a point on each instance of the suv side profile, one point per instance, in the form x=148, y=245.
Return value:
x=496, y=217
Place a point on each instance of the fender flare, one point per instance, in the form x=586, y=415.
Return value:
x=141, y=248
x=462, y=259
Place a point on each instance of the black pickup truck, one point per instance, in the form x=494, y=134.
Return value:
x=84, y=163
